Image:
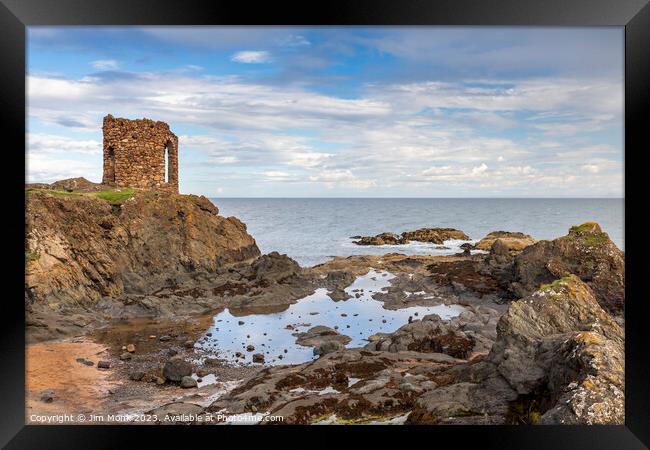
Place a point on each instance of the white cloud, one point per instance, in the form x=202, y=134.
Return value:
x=41, y=143
x=385, y=137
x=341, y=178
x=105, y=64
x=47, y=168
x=251, y=57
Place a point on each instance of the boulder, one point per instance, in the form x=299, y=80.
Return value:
x=85, y=362
x=47, y=396
x=188, y=382
x=176, y=368
x=103, y=365
x=514, y=241
x=258, y=358
x=275, y=267
x=323, y=339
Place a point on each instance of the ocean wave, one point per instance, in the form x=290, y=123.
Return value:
x=449, y=246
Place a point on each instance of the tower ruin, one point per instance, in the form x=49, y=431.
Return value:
x=140, y=153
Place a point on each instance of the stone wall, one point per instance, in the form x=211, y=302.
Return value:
x=134, y=154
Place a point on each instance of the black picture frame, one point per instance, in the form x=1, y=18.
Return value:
x=634, y=15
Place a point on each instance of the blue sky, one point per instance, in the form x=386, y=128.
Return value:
x=340, y=112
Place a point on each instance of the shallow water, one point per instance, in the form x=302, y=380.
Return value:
x=357, y=318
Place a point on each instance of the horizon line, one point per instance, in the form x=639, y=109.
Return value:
x=425, y=198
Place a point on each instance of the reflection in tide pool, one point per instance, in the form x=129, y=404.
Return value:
x=272, y=334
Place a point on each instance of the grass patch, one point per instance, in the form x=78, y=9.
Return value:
x=114, y=196
x=587, y=227
x=555, y=283
x=593, y=240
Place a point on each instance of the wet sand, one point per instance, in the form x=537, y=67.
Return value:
x=77, y=388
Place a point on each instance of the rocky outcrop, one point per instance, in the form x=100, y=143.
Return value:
x=176, y=369
x=381, y=239
x=354, y=385
x=432, y=235
x=514, y=241
x=463, y=274
x=80, y=247
x=472, y=332
x=587, y=252
x=560, y=341
x=558, y=359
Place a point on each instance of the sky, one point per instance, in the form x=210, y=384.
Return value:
x=340, y=112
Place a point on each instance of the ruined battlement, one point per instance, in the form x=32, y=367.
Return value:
x=140, y=153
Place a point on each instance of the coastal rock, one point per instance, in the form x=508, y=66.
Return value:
x=188, y=382
x=80, y=247
x=514, y=241
x=47, y=396
x=275, y=267
x=380, y=239
x=176, y=368
x=467, y=273
x=560, y=340
x=85, y=362
x=355, y=385
x=558, y=359
x=323, y=339
x=587, y=252
x=473, y=332
x=432, y=235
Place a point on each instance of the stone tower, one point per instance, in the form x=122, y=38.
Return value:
x=140, y=153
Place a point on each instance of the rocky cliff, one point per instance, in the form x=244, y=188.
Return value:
x=84, y=244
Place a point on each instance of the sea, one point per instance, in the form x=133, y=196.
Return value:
x=314, y=230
